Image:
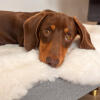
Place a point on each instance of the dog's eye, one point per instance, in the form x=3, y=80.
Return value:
x=47, y=32
x=68, y=36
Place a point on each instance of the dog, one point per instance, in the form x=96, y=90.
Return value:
x=49, y=31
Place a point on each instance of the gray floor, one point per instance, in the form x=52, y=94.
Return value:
x=58, y=90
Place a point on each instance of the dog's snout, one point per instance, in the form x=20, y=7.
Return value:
x=51, y=61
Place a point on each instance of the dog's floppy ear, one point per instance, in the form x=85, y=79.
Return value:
x=85, y=42
x=31, y=27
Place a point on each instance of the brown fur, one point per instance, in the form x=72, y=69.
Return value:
x=50, y=31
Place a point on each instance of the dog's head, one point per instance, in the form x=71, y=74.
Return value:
x=53, y=33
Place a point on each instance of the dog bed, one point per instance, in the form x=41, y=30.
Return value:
x=20, y=70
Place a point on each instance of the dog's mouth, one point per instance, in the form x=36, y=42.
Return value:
x=51, y=55
x=54, y=62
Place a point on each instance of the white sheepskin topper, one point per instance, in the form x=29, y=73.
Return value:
x=20, y=70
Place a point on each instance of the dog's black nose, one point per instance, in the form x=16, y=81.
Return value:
x=52, y=62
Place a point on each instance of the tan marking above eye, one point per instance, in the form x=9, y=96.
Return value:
x=53, y=27
x=66, y=30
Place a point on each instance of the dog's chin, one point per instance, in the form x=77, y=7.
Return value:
x=53, y=66
x=59, y=65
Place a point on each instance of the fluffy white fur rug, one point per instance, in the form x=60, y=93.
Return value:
x=20, y=70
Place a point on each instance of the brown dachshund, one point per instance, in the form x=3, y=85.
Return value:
x=49, y=31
